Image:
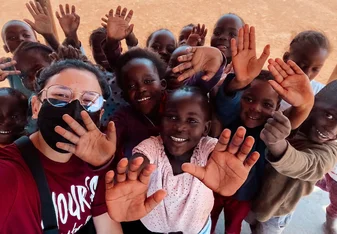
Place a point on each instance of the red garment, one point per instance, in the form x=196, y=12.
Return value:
x=235, y=212
x=72, y=184
x=330, y=185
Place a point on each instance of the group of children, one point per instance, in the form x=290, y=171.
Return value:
x=171, y=118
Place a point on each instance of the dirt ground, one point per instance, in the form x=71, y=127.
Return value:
x=276, y=21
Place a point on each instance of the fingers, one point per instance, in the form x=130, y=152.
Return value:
x=240, y=39
x=30, y=23
x=145, y=174
x=74, y=125
x=31, y=10
x=39, y=7
x=6, y=64
x=67, y=135
x=111, y=12
x=237, y=140
x=252, y=40
x=104, y=20
x=282, y=68
x=234, y=47
x=66, y=147
x=249, y=163
x=89, y=124
x=111, y=132
x=121, y=169
x=277, y=87
x=152, y=201
x=73, y=9
x=133, y=168
x=182, y=67
x=223, y=141
x=278, y=77
x=33, y=6
x=109, y=180
x=295, y=67
x=186, y=74
x=129, y=16
x=118, y=11
x=123, y=14
x=67, y=9
x=194, y=170
x=129, y=29
x=281, y=118
x=245, y=148
x=246, y=39
x=208, y=75
x=5, y=74
x=57, y=15
x=264, y=56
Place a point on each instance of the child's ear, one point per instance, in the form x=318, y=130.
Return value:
x=286, y=57
x=6, y=49
x=163, y=84
x=36, y=105
x=208, y=126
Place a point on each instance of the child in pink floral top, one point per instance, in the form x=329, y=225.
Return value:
x=183, y=138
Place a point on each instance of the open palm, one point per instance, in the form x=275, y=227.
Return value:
x=291, y=83
x=42, y=23
x=117, y=25
x=245, y=62
x=126, y=198
x=90, y=144
x=69, y=21
x=228, y=167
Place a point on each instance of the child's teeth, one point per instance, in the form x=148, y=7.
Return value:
x=321, y=134
x=5, y=132
x=253, y=118
x=143, y=99
x=178, y=139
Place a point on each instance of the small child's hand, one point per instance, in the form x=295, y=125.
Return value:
x=276, y=129
x=42, y=23
x=228, y=167
x=3, y=65
x=197, y=36
x=207, y=59
x=291, y=83
x=126, y=195
x=274, y=134
x=246, y=65
x=69, y=21
x=117, y=25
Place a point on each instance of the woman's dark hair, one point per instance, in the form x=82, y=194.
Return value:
x=162, y=29
x=61, y=65
x=205, y=103
x=138, y=53
x=314, y=38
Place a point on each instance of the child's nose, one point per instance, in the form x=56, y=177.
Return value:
x=180, y=127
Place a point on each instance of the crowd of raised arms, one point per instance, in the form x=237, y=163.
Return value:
x=161, y=139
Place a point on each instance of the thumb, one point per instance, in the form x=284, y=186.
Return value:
x=194, y=170
x=111, y=132
x=264, y=56
x=30, y=23
x=129, y=29
x=208, y=75
x=154, y=200
x=109, y=183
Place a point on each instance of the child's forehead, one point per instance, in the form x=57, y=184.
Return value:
x=229, y=20
x=163, y=34
x=9, y=101
x=16, y=26
x=262, y=89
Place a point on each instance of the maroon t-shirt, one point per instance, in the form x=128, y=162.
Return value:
x=77, y=193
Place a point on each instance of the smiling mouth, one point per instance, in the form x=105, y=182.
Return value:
x=143, y=99
x=177, y=139
x=5, y=132
x=253, y=118
x=322, y=135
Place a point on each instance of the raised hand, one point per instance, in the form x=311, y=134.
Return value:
x=291, y=83
x=90, y=144
x=42, y=23
x=126, y=198
x=246, y=65
x=274, y=133
x=69, y=21
x=228, y=167
x=3, y=65
x=117, y=25
x=207, y=59
x=197, y=36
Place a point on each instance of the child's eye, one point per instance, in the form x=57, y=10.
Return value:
x=268, y=105
x=13, y=38
x=248, y=99
x=148, y=81
x=132, y=86
x=328, y=116
x=316, y=69
x=231, y=34
x=155, y=47
x=216, y=33
x=192, y=121
x=172, y=117
x=26, y=35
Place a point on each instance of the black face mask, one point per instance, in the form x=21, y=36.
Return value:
x=50, y=116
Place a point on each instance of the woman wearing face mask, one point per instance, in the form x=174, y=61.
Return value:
x=72, y=151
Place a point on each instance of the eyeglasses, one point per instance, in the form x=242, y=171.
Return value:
x=59, y=96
